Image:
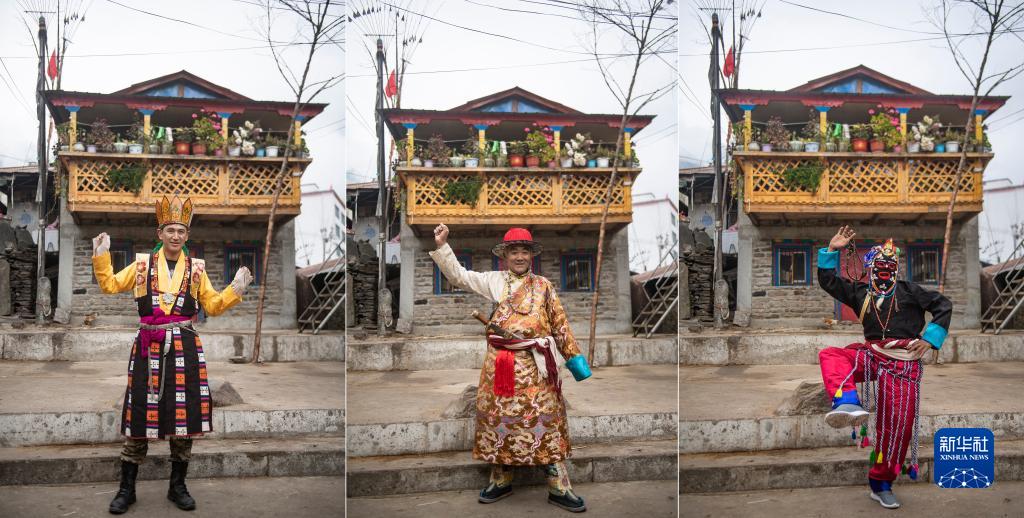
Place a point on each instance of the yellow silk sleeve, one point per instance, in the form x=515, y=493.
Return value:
x=214, y=302
x=110, y=282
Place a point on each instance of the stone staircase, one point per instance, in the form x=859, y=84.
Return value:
x=60, y=408
x=736, y=443
x=399, y=443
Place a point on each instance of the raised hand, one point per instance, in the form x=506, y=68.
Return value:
x=243, y=278
x=100, y=244
x=841, y=239
x=441, y=235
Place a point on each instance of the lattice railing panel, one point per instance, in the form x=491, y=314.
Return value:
x=520, y=190
x=257, y=180
x=91, y=176
x=938, y=177
x=429, y=193
x=587, y=191
x=766, y=174
x=196, y=179
x=873, y=179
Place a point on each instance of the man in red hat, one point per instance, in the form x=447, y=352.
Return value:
x=520, y=418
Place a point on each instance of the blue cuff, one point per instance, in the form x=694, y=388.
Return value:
x=577, y=365
x=934, y=334
x=828, y=260
x=848, y=397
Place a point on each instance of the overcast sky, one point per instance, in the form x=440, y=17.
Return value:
x=116, y=47
x=434, y=83
x=778, y=56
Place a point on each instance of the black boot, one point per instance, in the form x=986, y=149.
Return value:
x=126, y=494
x=177, y=492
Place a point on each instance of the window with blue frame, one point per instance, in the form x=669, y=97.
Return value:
x=791, y=265
x=578, y=271
x=239, y=255
x=498, y=264
x=924, y=263
x=441, y=284
x=121, y=254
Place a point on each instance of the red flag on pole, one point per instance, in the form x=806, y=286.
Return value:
x=392, y=89
x=730, y=64
x=52, y=69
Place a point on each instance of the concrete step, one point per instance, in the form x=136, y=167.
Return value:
x=733, y=408
x=293, y=457
x=44, y=403
x=778, y=347
x=1004, y=499
x=649, y=498
x=813, y=467
x=467, y=352
x=114, y=343
x=296, y=497
x=452, y=471
x=399, y=412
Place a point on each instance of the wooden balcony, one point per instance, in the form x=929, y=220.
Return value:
x=557, y=198
x=222, y=188
x=902, y=186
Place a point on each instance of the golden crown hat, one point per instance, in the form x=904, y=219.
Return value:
x=174, y=211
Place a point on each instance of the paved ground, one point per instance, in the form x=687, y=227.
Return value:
x=653, y=499
x=756, y=391
x=413, y=396
x=99, y=386
x=293, y=497
x=1004, y=499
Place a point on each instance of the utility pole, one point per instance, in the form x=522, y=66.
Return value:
x=716, y=111
x=382, y=197
x=41, y=158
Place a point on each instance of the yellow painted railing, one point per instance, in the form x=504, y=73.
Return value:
x=534, y=196
x=217, y=185
x=861, y=182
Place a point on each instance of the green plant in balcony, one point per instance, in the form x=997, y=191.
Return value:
x=518, y=147
x=101, y=135
x=811, y=132
x=539, y=146
x=860, y=131
x=127, y=178
x=806, y=177
x=438, y=151
x=465, y=191
x=775, y=134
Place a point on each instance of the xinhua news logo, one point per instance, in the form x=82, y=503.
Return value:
x=964, y=458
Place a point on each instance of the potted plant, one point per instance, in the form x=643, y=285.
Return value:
x=437, y=154
x=274, y=145
x=860, y=134
x=577, y=149
x=491, y=152
x=755, y=139
x=775, y=135
x=537, y=144
x=811, y=133
x=603, y=156
x=471, y=150
x=244, y=139
x=137, y=136
x=517, y=153
x=952, y=138
x=182, y=141
x=102, y=136
x=794, y=143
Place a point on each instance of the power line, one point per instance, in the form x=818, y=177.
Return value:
x=496, y=35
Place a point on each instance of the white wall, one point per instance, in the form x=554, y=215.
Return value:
x=320, y=210
x=1001, y=224
x=651, y=218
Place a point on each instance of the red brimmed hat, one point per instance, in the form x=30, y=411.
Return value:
x=516, y=237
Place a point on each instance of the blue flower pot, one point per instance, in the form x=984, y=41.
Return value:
x=592, y=163
x=261, y=152
x=940, y=148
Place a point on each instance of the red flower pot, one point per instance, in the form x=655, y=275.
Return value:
x=897, y=148
x=552, y=165
x=218, y=152
x=533, y=161
x=198, y=149
x=877, y=146
x=860, y=145
x=181, y=148
x=515, y=161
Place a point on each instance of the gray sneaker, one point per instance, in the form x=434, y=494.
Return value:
x=847, y=415
x=886, y=499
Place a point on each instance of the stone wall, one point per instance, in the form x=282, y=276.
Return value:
x=211, y=238
x=446, y=314
x=810, y=306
